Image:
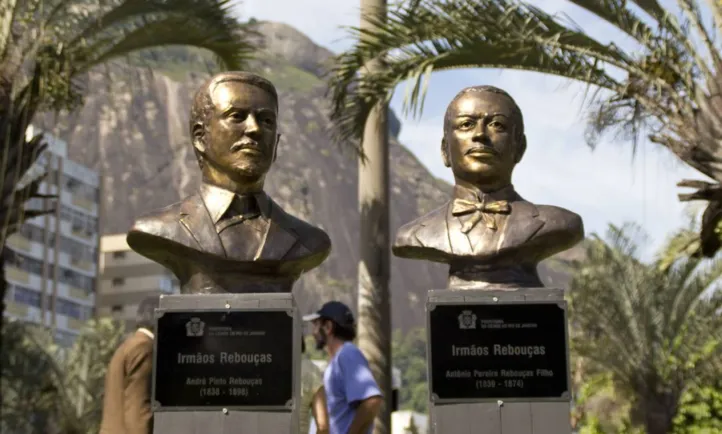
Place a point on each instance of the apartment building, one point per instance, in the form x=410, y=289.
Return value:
x=126, y=278
x=52, y=266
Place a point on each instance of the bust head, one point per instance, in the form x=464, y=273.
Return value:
x=233, y=125
x=483, y=137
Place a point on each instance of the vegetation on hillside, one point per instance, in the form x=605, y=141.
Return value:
x=177, y=62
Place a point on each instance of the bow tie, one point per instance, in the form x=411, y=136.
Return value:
x=481, y=211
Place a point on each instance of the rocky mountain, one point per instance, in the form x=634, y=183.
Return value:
x=134, y=130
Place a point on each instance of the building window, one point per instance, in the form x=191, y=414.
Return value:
x=79, y=188
x=64, y=307
x=117, y=308
x=70, y=183
x=119, y=255
x=77, y=251
x=26, y=296
x=118, y=281
x=35, y=204
x=73, y=310
x=76, y=280
x=26, y=263
x=32, y=233
x=79, y=221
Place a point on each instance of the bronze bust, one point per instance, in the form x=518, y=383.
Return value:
x=488, y=234
x=231, y=236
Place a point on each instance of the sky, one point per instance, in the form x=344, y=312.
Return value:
x=605, y=185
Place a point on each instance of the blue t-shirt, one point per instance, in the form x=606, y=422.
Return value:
x=348, y=381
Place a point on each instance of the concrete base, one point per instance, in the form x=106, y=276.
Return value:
x=235, y=420
x=508, y=418
x=499, y=417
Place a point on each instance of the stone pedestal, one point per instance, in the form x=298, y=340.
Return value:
x=227, y=363
x=498, y=362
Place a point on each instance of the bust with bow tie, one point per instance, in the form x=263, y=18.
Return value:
x=488, y=234
x=230, y=236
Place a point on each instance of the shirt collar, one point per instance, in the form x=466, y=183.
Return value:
x=218, y=200
x=147, y=332
x=507, y=193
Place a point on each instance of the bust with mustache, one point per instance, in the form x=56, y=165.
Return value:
x=230, y=236
x=489, y=235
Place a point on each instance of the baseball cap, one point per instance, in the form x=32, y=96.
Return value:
x=336, y=312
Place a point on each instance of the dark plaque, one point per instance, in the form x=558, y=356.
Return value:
x=224, y=359
x=498, y=351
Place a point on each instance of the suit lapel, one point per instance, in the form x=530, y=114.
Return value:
x=433, y=231
x=521, y=225
x=278, y=238
x=195, y=218
x=459, y=241
x=523, y=222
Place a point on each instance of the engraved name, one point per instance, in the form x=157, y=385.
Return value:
x=224, y=358
x=498, y=350
x=215, y=381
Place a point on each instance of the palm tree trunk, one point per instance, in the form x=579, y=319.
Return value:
x=374, y=310
x=3, y=289
x=659, y=412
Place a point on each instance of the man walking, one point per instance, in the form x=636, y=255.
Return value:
x=352, y=396
x=126, y=406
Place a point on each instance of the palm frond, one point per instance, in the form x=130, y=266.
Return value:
x=613, y=278
x=138, y=24
x=7, y=13
x=15, y=162
x=616, y=13
x=694, y=15
x=661, y=312
x=692, y=282
x=162, y=33
x=682, y=244
x=49, y=45
x=715, y=8
x=652, y=7
x=434, y=35
x=128, y=13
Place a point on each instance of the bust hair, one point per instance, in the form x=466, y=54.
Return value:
x=202, y=105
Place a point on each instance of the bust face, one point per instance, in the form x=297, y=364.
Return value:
x=481, y=143
x=241, y=134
